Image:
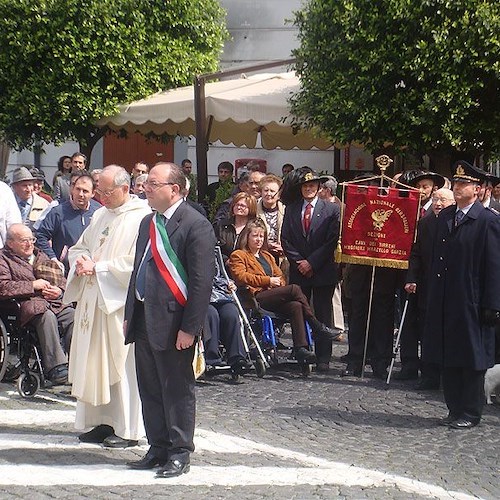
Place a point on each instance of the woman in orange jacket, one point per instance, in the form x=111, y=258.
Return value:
x=256, y=269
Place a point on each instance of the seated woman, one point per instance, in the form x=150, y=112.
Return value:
x=242, y=209
x=224, y=325
x=255, y=268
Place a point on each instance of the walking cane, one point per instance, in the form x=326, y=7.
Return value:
x=242, y=312
x=398, y=339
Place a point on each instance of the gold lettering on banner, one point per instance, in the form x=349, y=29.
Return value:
x=380, y=217
x=358, y=209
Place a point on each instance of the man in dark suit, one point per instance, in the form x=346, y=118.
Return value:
x=485, y=194
x=166, y=306
x=417, y=285
x=309, y=237
x=427, y=183
x=464, y=298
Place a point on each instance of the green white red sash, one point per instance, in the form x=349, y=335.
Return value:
x=166, y=260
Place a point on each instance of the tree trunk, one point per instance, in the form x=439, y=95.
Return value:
x=4, y=158
x=442, y=161
x=88, y=143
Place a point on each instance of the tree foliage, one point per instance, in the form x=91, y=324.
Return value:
x=423, y=75
x=66, y=63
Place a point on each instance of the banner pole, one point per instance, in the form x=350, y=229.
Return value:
x=368, y=321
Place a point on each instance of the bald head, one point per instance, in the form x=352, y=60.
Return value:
x=165, y=186
x=113, y=186
x=20, y=240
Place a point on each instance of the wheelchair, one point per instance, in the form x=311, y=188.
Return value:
x=20, y=357
x=270, y=329
x=254, y=357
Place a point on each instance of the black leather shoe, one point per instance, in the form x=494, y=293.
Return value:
x=406, y=374
x=148, y=461
x=427, y=384
x=352, y=370
x=115, y=441
x=58, y=375
x=462, y=423
x=327, y=333
x=448, y=419
x=240, y=366
x=379, y=372
x=173, y=468
x=97, y=434
x=322, y=367
x=304, y=355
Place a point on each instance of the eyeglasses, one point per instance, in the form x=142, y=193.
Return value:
x=241, y=205
x=109, y=192
x=442, y=200
x=153, y=185
x=23, y=241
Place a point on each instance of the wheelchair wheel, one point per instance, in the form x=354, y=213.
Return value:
x=28, y=384
x=4, y=350
x=260, y=368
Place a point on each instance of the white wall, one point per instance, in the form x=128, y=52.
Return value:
x=50, y=156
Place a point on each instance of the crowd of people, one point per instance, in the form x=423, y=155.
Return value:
x=115, y=254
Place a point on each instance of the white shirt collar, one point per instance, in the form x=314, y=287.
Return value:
x=169, y=212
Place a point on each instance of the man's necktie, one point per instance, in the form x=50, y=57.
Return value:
x=306, y=222
x=458, y=217
x=140, y=279
x=422, y=212
x=24, y=208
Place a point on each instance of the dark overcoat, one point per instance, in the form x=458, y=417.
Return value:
x=421, y=256
x=317, y=247
x=464, y=278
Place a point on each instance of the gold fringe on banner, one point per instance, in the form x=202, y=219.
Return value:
x=370, y=261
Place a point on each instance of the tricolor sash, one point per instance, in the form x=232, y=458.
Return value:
x=169, y=265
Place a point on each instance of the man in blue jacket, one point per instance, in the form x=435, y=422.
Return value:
x=65, y=223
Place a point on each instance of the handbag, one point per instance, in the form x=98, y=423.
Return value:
x=199, y=364
x=219, y=293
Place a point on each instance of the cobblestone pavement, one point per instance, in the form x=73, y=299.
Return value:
x=280, y=437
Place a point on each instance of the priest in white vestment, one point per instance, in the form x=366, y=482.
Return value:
x=101, y=366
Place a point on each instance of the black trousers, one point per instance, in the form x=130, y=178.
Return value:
x=323, y=310
x=463, y=390
x=224, y=323
x=410, y=334
x=381, y=331
x=167, y=389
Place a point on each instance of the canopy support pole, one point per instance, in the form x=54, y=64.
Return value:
x=200, y=115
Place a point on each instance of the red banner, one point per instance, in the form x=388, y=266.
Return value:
x=378, y=225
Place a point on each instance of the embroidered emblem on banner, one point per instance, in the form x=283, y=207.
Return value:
x=169, y=265
x=380, y=218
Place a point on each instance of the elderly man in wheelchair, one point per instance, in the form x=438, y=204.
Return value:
x=36, y=283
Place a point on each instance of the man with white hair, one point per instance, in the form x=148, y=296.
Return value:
x=101, y=367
